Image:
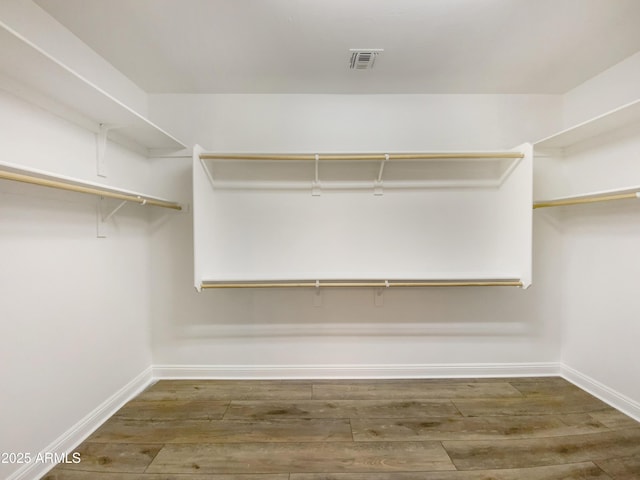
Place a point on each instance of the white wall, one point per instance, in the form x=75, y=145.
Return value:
x=308, y=123
x=601, y=304
x=74, y=309
x=265, y=329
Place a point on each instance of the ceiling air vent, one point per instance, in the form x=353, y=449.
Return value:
x=363, y=58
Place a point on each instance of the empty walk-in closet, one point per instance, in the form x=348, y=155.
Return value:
x=319, y=201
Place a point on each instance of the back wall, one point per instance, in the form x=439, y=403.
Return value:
x=282, y=332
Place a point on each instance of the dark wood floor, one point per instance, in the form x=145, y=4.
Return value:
x=463, y=429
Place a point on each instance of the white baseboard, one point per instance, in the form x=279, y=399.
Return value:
x=608, y=395
x=85, y=427
x=266, y=372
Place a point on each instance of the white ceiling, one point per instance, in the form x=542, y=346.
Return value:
x=302, y=46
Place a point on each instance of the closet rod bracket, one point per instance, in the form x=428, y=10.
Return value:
x=317, y=295
x=377, y=183
x=315, y=186
x=378, y=295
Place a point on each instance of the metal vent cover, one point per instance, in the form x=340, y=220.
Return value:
x=363, y=58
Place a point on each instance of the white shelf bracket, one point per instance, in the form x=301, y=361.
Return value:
x=315, y=186
x=208, y=173
x=102, y=220
x=101, y=148
x=317, y=295
x=378, y=184
x=107, y=217
x=509, y=170
x=378, y=296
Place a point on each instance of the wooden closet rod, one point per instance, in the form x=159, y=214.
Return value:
x=371, y=156
x=578, y=201
x=18, y=177
x=376, y=284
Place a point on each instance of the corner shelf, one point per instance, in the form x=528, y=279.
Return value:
x=557, y=150
x=607, y=122
x=32, y=74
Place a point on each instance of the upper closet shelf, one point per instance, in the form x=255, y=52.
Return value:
x=607, y=122
x=359, y=170
x=30, y=73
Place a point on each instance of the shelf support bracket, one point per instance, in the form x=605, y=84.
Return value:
x=377, y=184
x=378, y=295
x=315, y=186
x=115, y=210
x=209, y=176
x=102, y=220
x=317, y=295
x=101, y=148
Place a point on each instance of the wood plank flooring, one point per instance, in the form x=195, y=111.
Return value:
x=453, y=429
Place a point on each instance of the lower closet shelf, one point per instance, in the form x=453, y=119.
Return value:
x=363, y=283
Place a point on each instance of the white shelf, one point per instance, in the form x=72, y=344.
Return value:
x=376, y=276
x=364, y=284
x=368, y=282
x=31, y=73
x=591, y=197
x=440, y=235
x=64, y=180
x=346, y=174
x=598, y=193
x=607, y=122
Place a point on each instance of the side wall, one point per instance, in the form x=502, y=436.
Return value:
x=601, y=260
x=75, y=308
x=280, y=332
